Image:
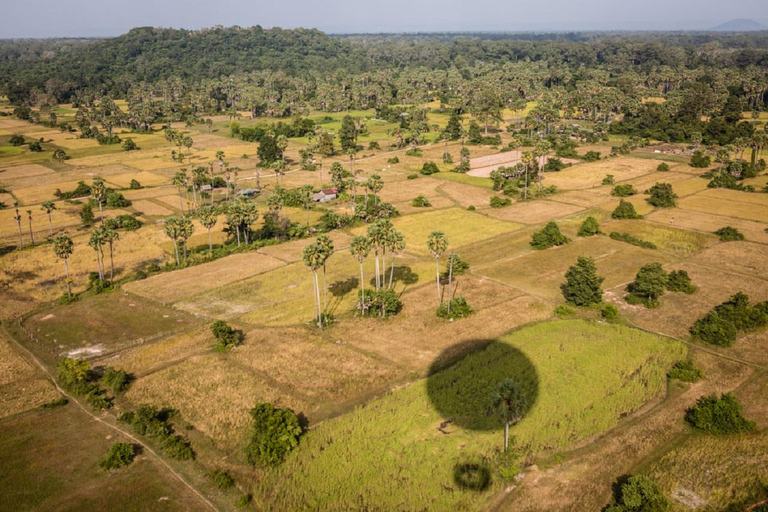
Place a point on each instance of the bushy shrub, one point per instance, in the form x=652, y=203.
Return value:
x=721, y=325
x=455, y=308
x=413, y=176
x=500, y=202
x=680, y=281
x=624, y=190
x=421, y=202
x=455, y=265
x=471, y=208
x=609, y=312
x=116, y=380
x=134, y=185
x=640, y=494
x=718, y=416
x=97, y=399
x=686, y=371
x=393, y=160
x=700, y=160
x=371, y=211
x=74, y=375
x=413, y=152
x=226, y=336
x=626, y=237
x=221, y=479
x=553, y=165
x=243, y=501
x=582, y=284
x=382, y=303
x=333, y=220
x=589, y=227
x=625, y=210
x=548, y=237
x=56, y=403
x=609, y=179
x=129, y=145
x=17, y=139
x=662, y=195
x=662, y=167
x=178, y=448
x=564, y=311
x=715, y=330
x=146, y=420
x=275, y=434
x=117, y=200
x=118, y=456
x=649, y=285
x=429, y=168
x=729, y=234
x=591, y=156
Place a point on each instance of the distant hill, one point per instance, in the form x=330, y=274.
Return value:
x=740, y=25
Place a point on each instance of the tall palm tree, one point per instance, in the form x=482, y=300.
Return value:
x=510, y=403
x=17, y=218
x=437, y=244
x=326, y=244
x=172, y=229
x=376, y=185
x=527, y=159
x=31, y=233
x=376, y=239
x=48, y=207
x=186, y=229
x=314, y=257
x=359, y=248
x=111, y=236
x=187, y=142
x=208, y=217
x=63, y=248
x=396, y=245
x=97, y=242
x=99, y=193
x=179, y=181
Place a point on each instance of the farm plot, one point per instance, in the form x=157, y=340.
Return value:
x=709, y=223
x=534, y=212
x=742, y=257
x=726, y=206
x=21, y=388
x=588, y=175
x=666, y=238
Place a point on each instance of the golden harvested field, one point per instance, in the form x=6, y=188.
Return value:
x=147, y=179
x=743, y=257
x=540, y=273
x=21, y=386
x=534, y=212
x=23, y=171
x=587, y=198
x=690, y=186
x=169, y=287
x=151, y=208
x=725, y=207
x=591, y=174
x=467, y=195
x=291, y=251
x=736, y=196
x=666, y=237
x=709, y=223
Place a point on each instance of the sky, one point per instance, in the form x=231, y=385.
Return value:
x=75, y=18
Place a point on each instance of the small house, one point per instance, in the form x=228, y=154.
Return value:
x=328, y=194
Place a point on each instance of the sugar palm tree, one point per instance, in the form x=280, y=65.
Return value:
x=172, y=229
x=376, y=239
x=63, y=248
x=359, y=248
x=510, y=403
x=396, y=245
x=17, y=218
x=314, y=257
x=326, y=244
x=376, y=185
x=31, y=233
x=208, y=217
x=48, y=207
x=248, y=216
x=527, y=159
x=437, y=244
x=179, y=181
x=99, y=193
x=96, y=242
x=306, y=193
x=111, y=236
x=187, y=143
x=186, y=229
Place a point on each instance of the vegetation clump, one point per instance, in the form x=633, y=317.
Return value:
x=118, y=456
x=729, y=234
x=582, y=284
x=609, y=312
x=609, y=179
x=686, y=371
x=221, y=479
x=564, y=311
x=718, y=416
x=589, y=227
x=640, y=494
x=700, y=160
x=680, y=281
x=381, y=303
x=663, y=167
x=421, y=202
x=626, y=237
x=625, y=210
x=115, y=380
x=226, y=336
x=275, y=434
x=662, y=195
x=547, y=237
x=649, y=284
x=455, y=308
x=500, y=202
x=623, y=190
x=721, y=325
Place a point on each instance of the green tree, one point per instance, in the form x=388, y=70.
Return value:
x=359, y=248
x=582, y=284
x=649, y=285
x=589, y=227
x=118, y=456
x=719, y=416
x=348, y=133
x=208, y=216
x=63, y=248
x=48, y=207
x=437, y=244
x=548, y=237
x=510, y=403
x=99, y=193
x=625, y=210
x=275, y=434
x=326, y=245
x=172, y=228
x=640, y=494
x=453, y=130
x=662, y=195
x=96, y=242
x=314, y=257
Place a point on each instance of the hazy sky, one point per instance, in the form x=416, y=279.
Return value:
x=45, y=18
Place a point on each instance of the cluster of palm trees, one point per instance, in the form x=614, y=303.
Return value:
x=47, y=206
x=316, y=256
x=101, y=236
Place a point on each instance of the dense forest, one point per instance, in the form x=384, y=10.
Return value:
x=168, y=74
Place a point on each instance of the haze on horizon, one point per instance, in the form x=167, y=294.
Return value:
x=83, y=18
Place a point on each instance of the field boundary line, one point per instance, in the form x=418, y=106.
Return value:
x=113, y=427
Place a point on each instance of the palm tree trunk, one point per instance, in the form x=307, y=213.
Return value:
x=185, y=249
x=176, y=248
x=66, y=271
x=210, y=241
x=98, y=265
x=362, y=289
x=317, y=296
x=111, y=260
x=101, y=213
x=392, y=270
x=506, y=436
x=376, y=262
x=325, y=291
x=437, y=278
x=50, y=223
x=31, y=234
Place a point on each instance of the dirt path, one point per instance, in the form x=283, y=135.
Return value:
x=134, y=439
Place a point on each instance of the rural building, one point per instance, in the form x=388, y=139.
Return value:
x=329, y=194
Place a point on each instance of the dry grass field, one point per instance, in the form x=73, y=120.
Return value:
x=21, y=387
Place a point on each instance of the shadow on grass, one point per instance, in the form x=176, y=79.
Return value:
x=463, y=378
x=471, y=476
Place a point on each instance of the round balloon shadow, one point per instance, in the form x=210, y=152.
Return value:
x=464, y=377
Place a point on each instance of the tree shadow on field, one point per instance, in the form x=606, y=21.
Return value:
x=463, y=378
x=403, y=274
x=342, y=288
x=471, y=476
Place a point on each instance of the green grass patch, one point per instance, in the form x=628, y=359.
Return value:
x=463, y=178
